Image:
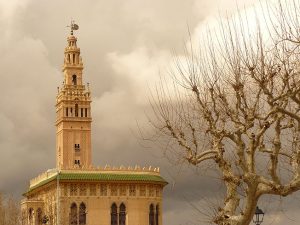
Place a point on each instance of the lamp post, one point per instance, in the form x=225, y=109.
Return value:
x=258, y=216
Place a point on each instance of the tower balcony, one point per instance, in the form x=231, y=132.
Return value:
x=73, y=119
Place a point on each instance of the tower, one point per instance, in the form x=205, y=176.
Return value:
x=75, y=192
x=73, y=112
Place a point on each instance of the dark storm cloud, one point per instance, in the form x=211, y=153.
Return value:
x=124, y=45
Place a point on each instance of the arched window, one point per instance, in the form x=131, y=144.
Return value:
x=30, y=215
x=73, y=214
x=122, y=214
x=157, y=215
x=151, y=215
x=74, y=79
x=82, y=214
x=114, y=214
x=39, y=217
x=76, y=110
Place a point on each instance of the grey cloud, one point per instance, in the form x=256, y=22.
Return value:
x=121, y=44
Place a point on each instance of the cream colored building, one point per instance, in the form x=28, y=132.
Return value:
x=76, y=192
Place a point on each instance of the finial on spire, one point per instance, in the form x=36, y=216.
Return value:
x=73, y=26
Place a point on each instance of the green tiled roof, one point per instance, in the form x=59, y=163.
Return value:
x=110, y=177
x=102, y=177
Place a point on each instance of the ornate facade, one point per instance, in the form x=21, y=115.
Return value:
x=76, y=192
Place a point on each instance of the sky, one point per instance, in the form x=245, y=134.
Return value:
x=126, y=47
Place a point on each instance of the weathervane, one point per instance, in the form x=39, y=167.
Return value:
x=73, y=26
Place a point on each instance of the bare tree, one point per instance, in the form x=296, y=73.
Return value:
x=2, y=210
x=235, y=103
x=9, y=211
x=12, y=212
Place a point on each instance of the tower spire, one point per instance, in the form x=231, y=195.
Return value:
x=73, y=65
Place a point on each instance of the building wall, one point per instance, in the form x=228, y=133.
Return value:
x=137, y=198
x=43, y=199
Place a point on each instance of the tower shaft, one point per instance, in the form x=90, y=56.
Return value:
x=73, y=113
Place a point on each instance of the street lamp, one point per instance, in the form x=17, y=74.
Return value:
x=259, y=216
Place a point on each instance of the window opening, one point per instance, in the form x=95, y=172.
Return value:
x=122, y=215
x=157, y=215
x=31, y=212
x=74, y=79
x=76, y=110
x=73, y=214
x=77, y=147
x=39, y=216
x=114, y=214
x=151, y=215
x=82, y=214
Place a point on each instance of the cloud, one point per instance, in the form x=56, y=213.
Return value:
x=140, y=70
x=126, y=47
x=25, y=114
x=9, y=8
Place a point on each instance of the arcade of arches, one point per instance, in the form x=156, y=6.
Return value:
x=77, y=215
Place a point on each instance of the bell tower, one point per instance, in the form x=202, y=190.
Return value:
x=73, y=112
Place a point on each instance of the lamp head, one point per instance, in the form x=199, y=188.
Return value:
x=259, y=216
